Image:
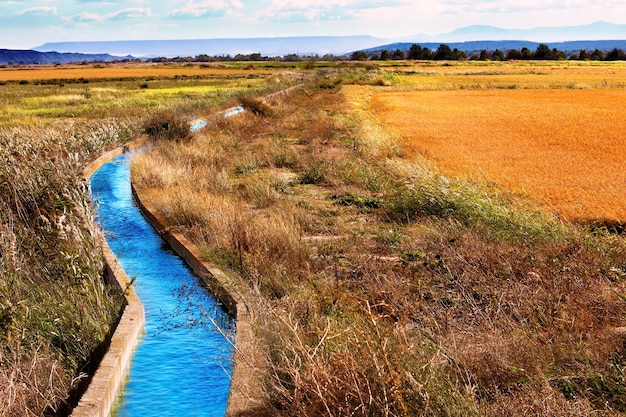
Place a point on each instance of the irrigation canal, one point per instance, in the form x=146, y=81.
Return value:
x=182, y=365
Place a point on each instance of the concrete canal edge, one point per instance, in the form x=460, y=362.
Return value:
x=245, y=392
x=98, y=399
x=100, y=395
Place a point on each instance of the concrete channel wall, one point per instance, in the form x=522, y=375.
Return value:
x=245, y=393
x=98, y=400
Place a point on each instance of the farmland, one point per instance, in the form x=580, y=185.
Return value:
x=553, y=134
x=380, y=281
x=123, y=71
x=390, y=267
x=41, y=95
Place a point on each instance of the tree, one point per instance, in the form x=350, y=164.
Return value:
x=584, y=55
x=597, y=55
x=359, y=56
x=291, y=58
x=543, y=52
x=398, y=55
x=615, y=55
x=385, y=55
x=514, y=54
x=458, y=55
x=415, y=52
x=526, y=53
x=556, y=54
x=497, y=55
x=443, y=53
x=484, y=55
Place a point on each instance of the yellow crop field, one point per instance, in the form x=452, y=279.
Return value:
x=562, y=147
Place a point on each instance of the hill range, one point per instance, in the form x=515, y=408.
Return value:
x=341, y=45
x=280, y=46
x=27, y=57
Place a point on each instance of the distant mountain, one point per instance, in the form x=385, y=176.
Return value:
x=302, y=45
x=25, y=57
x=477, y=46
x=562, y=38
x=593, y=31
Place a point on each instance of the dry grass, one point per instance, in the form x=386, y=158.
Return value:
x=55, y=310
x=380, y=287
x=562, y=148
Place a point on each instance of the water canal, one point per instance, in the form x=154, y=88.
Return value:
x=182, y=365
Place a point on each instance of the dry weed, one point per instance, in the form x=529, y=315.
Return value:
x=437, y=297
x=55, y=310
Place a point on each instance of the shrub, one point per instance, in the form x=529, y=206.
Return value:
x=357, y=200
x=255, y=106
x=167, y=126
x=312, y=175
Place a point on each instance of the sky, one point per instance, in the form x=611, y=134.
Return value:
x=30, y=23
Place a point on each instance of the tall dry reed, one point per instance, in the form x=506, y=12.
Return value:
x=55, y=310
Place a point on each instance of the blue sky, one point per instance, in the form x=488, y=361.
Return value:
x=26, y=24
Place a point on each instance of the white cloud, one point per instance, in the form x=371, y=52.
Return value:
x=201, y=9
x=38, y=11
x=124, y=14
x=325, y=10
x=513, y=6
x=130, y=13
x=86, y=17
x=330, y=4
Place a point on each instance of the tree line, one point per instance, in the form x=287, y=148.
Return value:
x=445, y=53
x=417, y=52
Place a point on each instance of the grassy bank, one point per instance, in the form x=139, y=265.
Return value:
x=380, y=286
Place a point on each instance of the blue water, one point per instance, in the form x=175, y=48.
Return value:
x=182, y=365
x=202, y=123
x=234, y=112
x=198, y=125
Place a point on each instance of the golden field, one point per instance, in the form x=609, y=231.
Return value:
x=561, y=146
